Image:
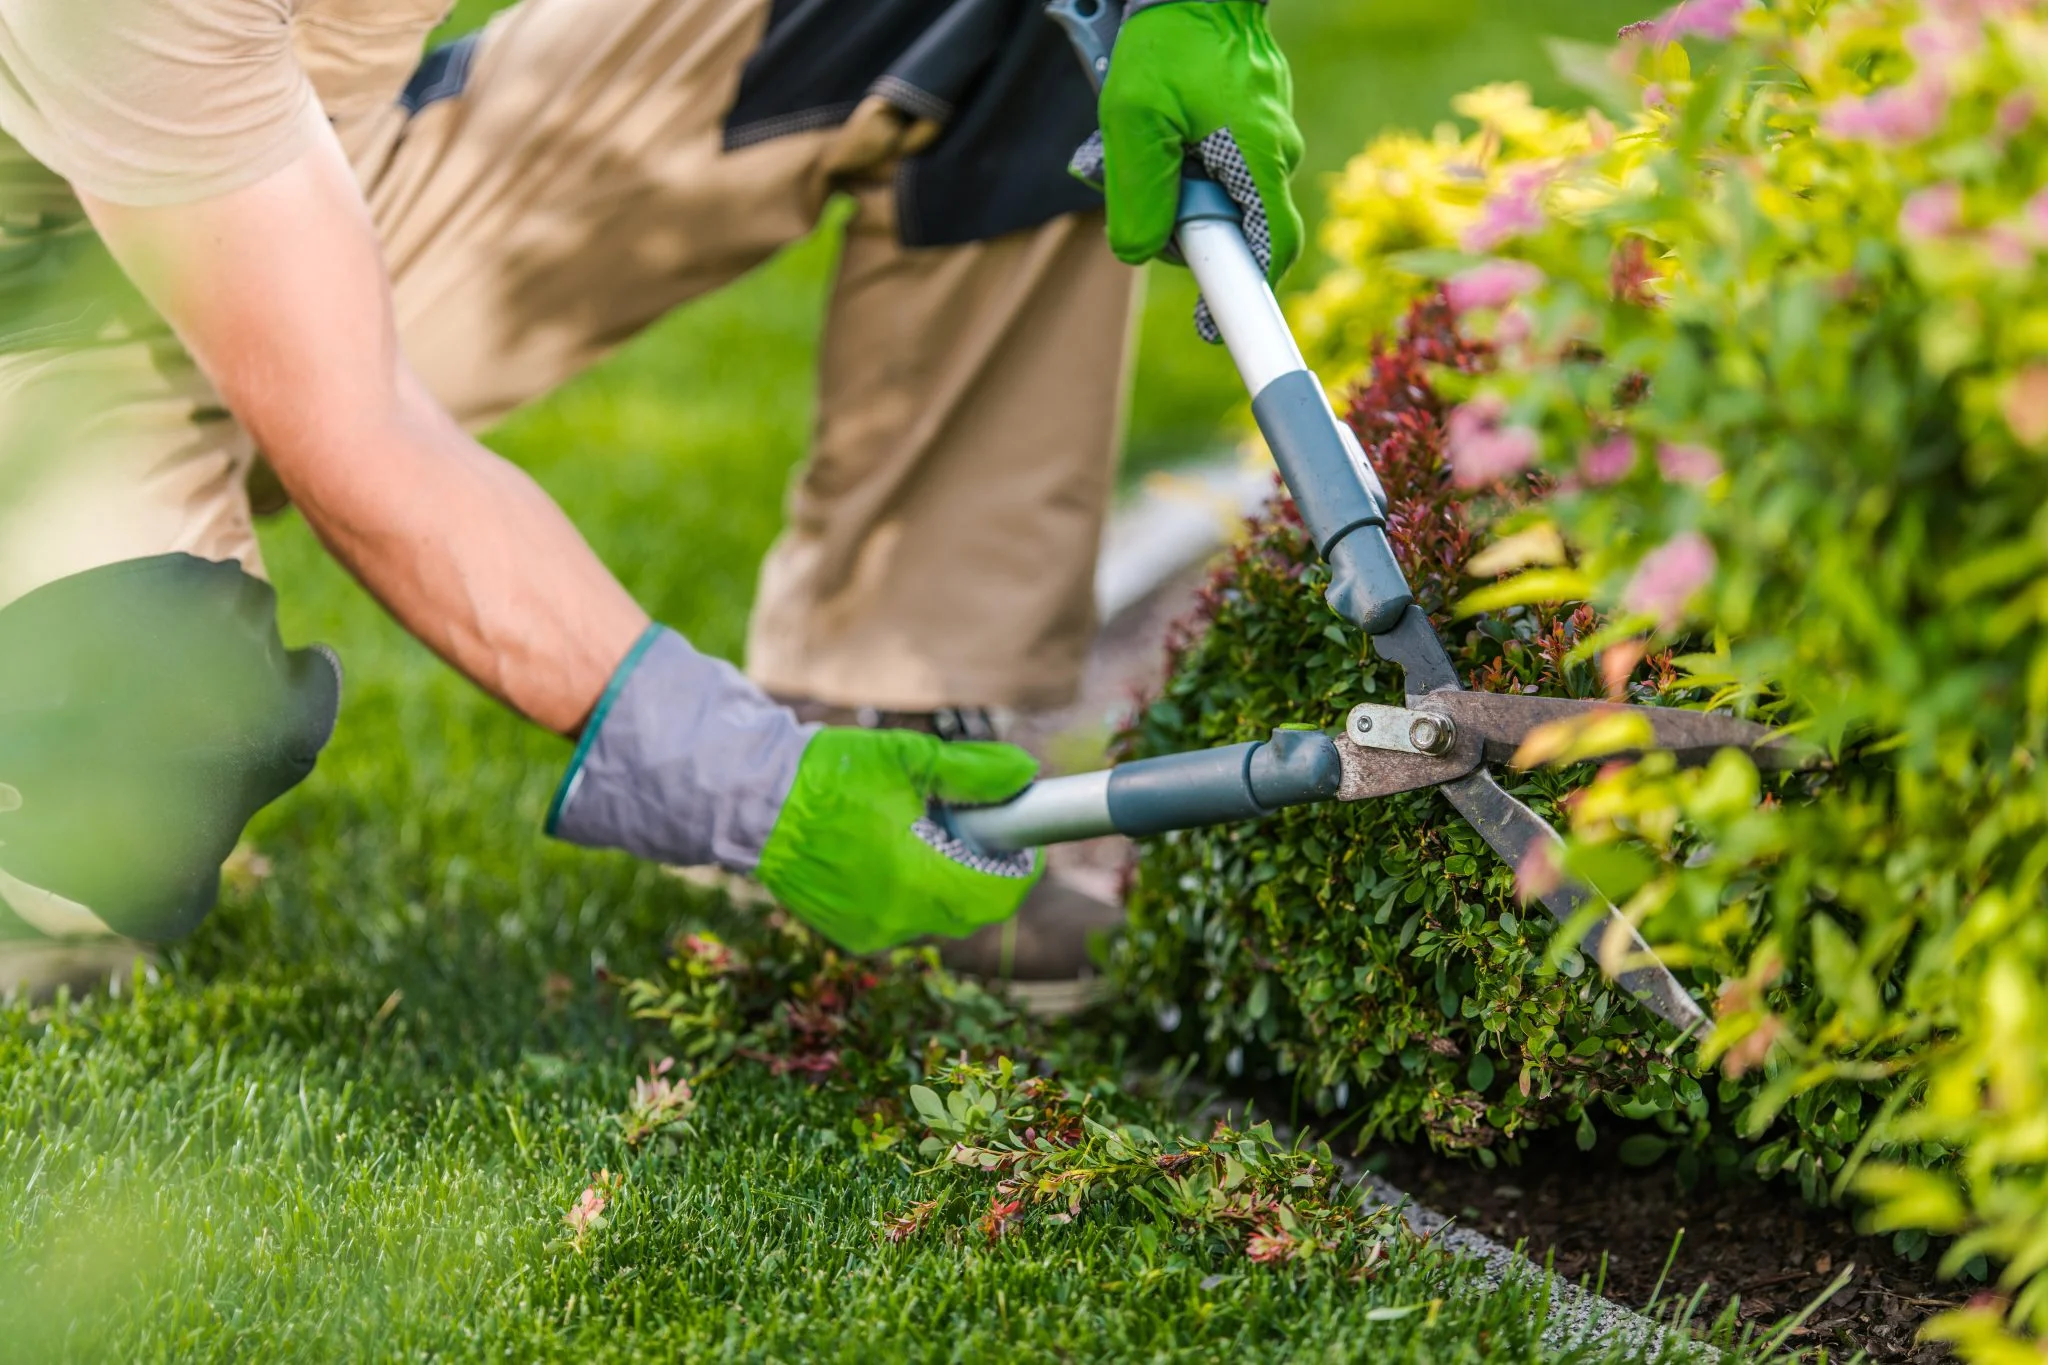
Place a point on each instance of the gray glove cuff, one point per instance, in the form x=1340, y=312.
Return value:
x=684, y=761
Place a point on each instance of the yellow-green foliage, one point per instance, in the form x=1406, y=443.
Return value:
x=1407, y=193
x=1818, y=236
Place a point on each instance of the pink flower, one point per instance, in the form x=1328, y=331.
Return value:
x=1891, y=118
x=1517, y=208
x=1706, y=18
x=1654, y=96
x=2007, y=247
x=2015, y=112
x=2034, y=219
x=1688, y=463
x=1480, y=449
x=2026, y=405
x=1514, y=326
x=1491, y=285
x=1933, y=212
x=1938, y=45
x=1669, y=576
x=1610, y=460
x=1974, y=11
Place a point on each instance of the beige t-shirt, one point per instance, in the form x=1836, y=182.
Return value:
x=168, y=101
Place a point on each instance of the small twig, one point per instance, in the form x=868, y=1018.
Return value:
x=1785, y=1278
x=1798, y=1320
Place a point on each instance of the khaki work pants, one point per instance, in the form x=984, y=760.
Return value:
x=940, y=544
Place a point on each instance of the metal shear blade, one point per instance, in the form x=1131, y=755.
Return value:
x=1445, y=736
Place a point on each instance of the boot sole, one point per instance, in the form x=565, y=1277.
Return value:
x=34, y=972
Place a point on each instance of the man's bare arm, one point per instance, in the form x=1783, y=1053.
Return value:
x=279, y=292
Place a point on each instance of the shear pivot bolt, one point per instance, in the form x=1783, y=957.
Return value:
x=1431, y=734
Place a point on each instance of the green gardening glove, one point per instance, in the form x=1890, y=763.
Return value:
x=858, y=856
x=1206, y=76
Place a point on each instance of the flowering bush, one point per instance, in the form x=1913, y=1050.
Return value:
x=1767, y=341
x=1406, y=195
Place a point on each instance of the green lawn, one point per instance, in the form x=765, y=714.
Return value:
x=349, y=1121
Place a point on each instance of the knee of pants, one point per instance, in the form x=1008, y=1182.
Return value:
x=148, y=709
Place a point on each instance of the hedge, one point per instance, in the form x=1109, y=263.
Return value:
x=1758, y=422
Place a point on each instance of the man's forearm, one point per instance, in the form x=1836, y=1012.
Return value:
x=472, y=557
x=278, y=291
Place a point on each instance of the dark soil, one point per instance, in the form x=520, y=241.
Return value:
x=1748, y=1242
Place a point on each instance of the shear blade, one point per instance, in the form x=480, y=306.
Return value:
x=1512, y=830
x=1507, y=720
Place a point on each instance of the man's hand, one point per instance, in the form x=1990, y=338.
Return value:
x=279, y=293
x=686, y=762
x=1207, y=74
x=857, y=854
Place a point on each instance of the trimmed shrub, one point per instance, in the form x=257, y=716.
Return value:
x=1767, y=354
x=1378, y=950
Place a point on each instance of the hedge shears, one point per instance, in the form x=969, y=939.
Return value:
x=1445, y=737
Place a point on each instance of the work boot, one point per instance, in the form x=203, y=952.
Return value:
x=82, y=955
x=1042, y=952
x=33, y=970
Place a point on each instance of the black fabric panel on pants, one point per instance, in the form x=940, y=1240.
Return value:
x=999, y=166
x=817, y=60
x=147, y=710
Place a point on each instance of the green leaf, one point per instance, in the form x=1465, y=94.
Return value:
x=1434, y=264
x=1526, y=589
x=1589, y=69
x=930, y=1107
x=1643, y=1149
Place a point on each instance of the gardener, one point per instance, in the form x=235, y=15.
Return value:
x=235, y=226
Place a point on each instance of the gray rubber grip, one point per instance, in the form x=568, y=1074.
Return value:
x=1218, y=786
x=1153, y=795
x=1183, y=791
x=1295, y=767
x=1313, y=458
x=1367, y=587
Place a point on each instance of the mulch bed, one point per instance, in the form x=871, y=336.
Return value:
x=1747, y=1240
